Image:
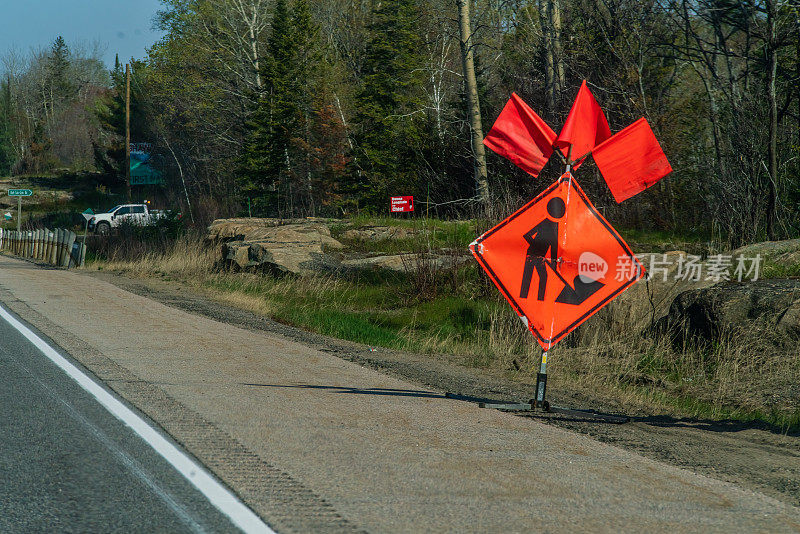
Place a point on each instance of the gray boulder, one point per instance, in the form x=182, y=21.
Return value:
x=290, y=248
x=705, y=314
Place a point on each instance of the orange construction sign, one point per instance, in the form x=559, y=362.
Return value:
x=557, y=261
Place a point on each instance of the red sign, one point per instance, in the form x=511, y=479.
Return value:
x=401, y=204
x=557, y=261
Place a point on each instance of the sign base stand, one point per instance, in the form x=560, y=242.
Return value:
x=541, y=386
x=541, y=403
x=579, y=414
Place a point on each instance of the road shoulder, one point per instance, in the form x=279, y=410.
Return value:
x=753, y=455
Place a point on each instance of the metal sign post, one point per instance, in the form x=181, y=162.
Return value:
x=88, y=214
x=541, y=385
x=19, y=193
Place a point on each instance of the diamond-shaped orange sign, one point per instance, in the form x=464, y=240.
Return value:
x=557, y=261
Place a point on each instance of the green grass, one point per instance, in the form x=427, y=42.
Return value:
x=378, y=311
x=353, y=326
x=426, y=234
x=773, y=268
x=663, y=241
x=784, y=421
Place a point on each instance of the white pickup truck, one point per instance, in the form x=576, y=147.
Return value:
x=140, y=214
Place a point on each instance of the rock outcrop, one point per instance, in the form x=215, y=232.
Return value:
x=648, y=300
x=268, y=245
x=769, y=248
x=732, y=307
x=305, y=246
x=408, y=262
x=247, y=229
x=378, y=233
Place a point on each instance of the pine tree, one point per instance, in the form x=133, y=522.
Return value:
x=58, y=75
x=304, y=147
x=391, y=113
x=275, y=168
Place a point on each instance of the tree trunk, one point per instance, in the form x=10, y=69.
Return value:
x=554, y=62
x=772, y=149
x=558, y=56
x=254, y=45
x=797, y=69
x=471, y=85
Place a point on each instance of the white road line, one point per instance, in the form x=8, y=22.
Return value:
x=216, y=493
x=134, y=466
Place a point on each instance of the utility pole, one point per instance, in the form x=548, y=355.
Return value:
x=471, y=85
x=128, y=130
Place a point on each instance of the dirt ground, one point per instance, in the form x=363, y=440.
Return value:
x=752, y=455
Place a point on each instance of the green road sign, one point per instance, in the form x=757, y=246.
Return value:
x=19, y=192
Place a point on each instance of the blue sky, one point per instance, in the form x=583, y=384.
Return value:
x=124, y=27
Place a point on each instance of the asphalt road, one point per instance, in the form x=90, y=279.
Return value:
x=68, y=465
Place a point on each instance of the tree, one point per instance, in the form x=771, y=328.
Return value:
x=277, y=164
x=550, y=12
x=266, y=156
x=58, y=79
x=734, y=49
x=474, y=107
x=391, y=112
x=109, y=110
x=6, y=134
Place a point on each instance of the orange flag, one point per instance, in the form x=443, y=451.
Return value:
x=586, y=126
x=521, y=136
x=631, y=161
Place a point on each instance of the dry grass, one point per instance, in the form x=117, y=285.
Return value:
x=750, y=373
x=185, y=257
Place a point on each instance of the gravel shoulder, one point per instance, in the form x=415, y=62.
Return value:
x=751, y=455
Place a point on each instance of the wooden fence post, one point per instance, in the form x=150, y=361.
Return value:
x=51, y=247
x=48, y=242
x=60, y=254
x=70, y=240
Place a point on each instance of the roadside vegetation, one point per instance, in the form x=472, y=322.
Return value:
x=456, y=313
